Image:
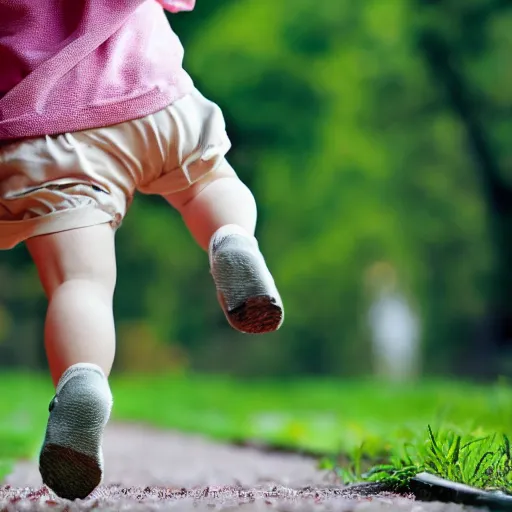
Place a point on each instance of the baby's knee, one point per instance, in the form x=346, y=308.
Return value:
x=86, y=289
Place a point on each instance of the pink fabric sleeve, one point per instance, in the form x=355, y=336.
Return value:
x=177, y=5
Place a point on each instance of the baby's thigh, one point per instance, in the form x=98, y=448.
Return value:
x=182, y=197
x=78, y=254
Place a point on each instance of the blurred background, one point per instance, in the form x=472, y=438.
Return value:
x=376, y=138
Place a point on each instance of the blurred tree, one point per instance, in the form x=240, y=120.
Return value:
x=451, y=55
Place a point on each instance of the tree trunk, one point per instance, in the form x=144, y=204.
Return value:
x=497, y=193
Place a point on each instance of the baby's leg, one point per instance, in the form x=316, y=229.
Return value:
x=78, y=271
x=220, y=213
x=218, y=200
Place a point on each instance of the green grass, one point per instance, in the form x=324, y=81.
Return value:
x=24, y=405
x=379, y=424
x=482, y=462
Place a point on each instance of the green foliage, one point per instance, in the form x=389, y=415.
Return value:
x=370, y=168
x=354, y=155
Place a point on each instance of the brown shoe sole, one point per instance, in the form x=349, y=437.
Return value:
x=68, y=473
x=257, y=315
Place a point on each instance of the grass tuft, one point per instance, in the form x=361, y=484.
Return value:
x=482, y=462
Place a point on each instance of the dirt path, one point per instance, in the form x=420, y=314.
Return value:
x=147, y=469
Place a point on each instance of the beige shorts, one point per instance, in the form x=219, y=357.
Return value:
x=73, y=180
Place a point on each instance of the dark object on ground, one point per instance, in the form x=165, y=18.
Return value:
x=428, y=487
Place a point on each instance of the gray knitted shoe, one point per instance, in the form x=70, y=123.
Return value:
x=71, y=460
x=245, y=288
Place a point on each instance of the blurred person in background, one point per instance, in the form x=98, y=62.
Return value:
x=394, y=328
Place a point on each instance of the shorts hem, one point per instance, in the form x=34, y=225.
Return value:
x=179, y=179
x=13, y=233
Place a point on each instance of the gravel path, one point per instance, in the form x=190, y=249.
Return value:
x=148, y=469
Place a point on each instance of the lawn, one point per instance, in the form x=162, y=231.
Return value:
x=367, y=423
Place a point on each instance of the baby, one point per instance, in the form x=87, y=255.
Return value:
x=94, y=106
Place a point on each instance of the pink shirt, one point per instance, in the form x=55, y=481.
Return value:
x=69, y=65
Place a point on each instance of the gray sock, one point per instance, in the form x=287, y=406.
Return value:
x=245, y=287
x=71, y=461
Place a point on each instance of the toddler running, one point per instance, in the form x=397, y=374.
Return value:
x=95, y=106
